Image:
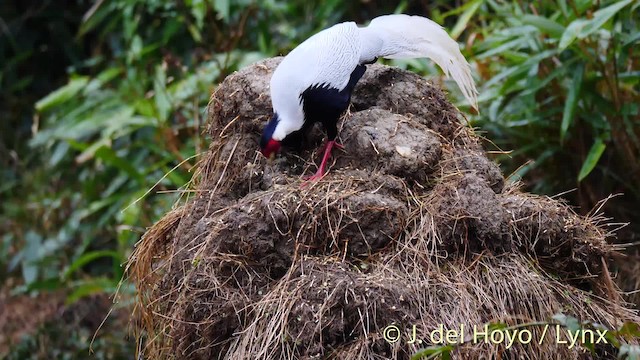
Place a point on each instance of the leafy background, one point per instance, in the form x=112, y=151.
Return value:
x=102, y=105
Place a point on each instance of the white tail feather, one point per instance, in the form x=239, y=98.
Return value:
x=404, y=36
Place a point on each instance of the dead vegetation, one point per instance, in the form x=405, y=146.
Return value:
x=412, y=226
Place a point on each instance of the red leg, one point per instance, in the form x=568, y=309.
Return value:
x=325, y=158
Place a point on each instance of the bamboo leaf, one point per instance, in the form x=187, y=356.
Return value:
x=222, y=7
x=110, y=157
x=546, y=25
x=592, y=159
x=162, y=100
x=571, y=33
x=463, y=19
x=87, y=258
x=629, y=330
x=90, y=287
x=572, y=100
x=601, y=16
x=198, y=10
x=630, y=38
x=564, y=8
x=62, y=94
x=581, y=28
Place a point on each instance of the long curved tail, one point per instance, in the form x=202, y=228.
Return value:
x=403, y=36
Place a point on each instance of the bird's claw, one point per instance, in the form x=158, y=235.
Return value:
x=321, y=170
x=313, y=178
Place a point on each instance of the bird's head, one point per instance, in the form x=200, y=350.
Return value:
x=270, y=146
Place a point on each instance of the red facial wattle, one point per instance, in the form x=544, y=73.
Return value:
x=272, y=148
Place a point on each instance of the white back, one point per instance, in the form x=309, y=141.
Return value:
x=327, y=57
x=330, y=56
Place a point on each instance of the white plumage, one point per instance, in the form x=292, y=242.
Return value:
x=330, y=56
x=313, y=83
x=404, y=36
x=327, y=57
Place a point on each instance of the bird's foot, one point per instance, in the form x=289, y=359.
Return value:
x=323, y=164
x=315, y=177
x=327, y=147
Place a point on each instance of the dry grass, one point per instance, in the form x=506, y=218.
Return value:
x=255, y=266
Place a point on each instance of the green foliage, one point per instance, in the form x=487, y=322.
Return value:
x=560, y=86
x=126, y=124
x=103, y=104
x=66, y=341
x=106, y=137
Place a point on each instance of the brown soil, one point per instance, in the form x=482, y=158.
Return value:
x=55, y=326
x=22, y=315
x=412, y=226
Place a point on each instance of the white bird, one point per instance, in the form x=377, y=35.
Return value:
x=314, y=82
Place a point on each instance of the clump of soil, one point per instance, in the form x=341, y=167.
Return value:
x=412, y=226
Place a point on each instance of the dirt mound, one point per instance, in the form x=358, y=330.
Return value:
x=412, y=226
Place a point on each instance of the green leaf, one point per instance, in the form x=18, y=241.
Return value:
x=87, y=258
x=163, y=102
x=94, y=207
x=521, y=68
x=31, y=254
x=432, y=351
x=611, y=338
x=90, y=287
x=581, y=28
x=86, y=124
x=546, y=25
x=222, y=7
x=63, y=94
x=571, y=102
x=630, y=38
x=198, y=10
x=583, y=5
x=564, y=8
x=195, y=33
x=58, y=153
x=593, y=156
x=94, y=16
x=110, y=157
x=122, y=125
x=109, y=74
x=45, y=285
x=559, y=72
x=601, y=16
x=88, y=152
x=496, y=326
x=171, y=28
x=144, y=107
x=571, y=33
x=629, y=329
x=463, y=20
x=135, y=49
x=516, y=43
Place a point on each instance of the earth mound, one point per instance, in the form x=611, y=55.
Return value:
x=413, y=226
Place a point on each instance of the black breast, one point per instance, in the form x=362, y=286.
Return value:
x=322, y=103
